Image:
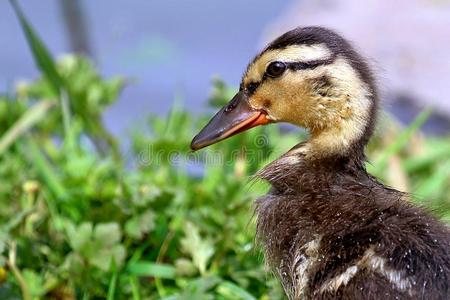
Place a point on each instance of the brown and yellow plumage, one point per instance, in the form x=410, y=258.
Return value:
x=329, y=229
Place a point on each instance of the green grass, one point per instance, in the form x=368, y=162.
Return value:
x=78, y=219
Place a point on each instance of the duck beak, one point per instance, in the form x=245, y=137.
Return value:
x=235, y=117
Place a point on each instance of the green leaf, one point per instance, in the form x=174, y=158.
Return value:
x=35, y=283
x=107, y=238
x=199, y=249
x=103, y=258
x=139, y=225
x=107, y=234
x=81, y=236
x=231, y=291
x=100, y=245
x=185, y=267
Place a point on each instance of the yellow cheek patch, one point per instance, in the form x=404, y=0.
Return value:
x=283, y=98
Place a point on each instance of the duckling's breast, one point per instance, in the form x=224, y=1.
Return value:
x=331, y=235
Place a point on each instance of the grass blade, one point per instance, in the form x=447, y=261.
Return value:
x=42, y=56
x=45, y=169
x=401, y=141
x=143, y=268
x=135, y=287
x=25, y=122
x=112, y=283
x=435, y=183
x=434, y=154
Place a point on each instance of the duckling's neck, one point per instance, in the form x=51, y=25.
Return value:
x=336, y=146
x=346, y=134
x=343, y=141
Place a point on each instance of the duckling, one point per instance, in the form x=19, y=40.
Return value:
x=329, y=229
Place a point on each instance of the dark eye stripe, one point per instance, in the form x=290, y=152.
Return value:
x=295, y=66
x=309, y=65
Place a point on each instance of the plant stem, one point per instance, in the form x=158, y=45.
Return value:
x=159, y=259
x=11, y=262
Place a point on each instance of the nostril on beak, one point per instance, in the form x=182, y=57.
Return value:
x=230, y=106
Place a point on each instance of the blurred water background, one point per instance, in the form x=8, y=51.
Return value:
x=172, y=49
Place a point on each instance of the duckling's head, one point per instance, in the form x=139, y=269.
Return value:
x=310, y=77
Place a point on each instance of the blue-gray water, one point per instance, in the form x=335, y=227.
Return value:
x=168, y=47
x=174, y=47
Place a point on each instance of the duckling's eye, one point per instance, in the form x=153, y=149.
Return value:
x=275, y=69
